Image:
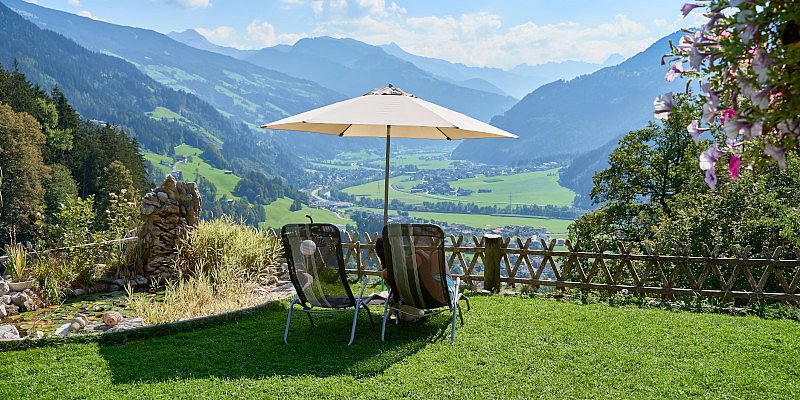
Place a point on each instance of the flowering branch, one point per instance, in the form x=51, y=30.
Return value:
x=747, y=60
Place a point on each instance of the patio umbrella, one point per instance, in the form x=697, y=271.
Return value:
x=391, y=113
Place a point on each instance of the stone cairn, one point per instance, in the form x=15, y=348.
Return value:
x=169, y=213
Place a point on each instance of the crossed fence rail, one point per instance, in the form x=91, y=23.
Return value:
x=639, y=268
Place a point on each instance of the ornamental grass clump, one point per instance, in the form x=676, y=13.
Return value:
x=222, y=268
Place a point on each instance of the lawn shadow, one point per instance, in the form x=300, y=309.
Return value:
x=252, y=347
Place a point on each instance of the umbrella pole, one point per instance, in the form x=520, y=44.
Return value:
x=386, y=177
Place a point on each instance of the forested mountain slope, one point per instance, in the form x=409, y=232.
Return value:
x=565, y=118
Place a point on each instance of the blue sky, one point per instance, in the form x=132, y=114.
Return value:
x=500, y=33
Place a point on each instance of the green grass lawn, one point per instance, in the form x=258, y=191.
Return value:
x=509, y=347
x=278, y=214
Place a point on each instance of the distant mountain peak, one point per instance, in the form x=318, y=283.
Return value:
x=614, y=59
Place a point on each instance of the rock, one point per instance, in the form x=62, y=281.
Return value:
x=95, y=328
x=4, y=289
x=3, y=311
x=19, y=299
x=140, y=280
x=79, y=292
x=112, y=318
x=6, y=299
x=120, y=282
x=127, y=324
x=62, y=330
x=148, y=209
x=78, y=323
x=38, y=335
x=9, y=332
x=19, y=286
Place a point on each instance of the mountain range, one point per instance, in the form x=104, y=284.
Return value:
x=564, y=118
x=107, y=88
x=354, y=68
x=239, y=89
x=517, y=82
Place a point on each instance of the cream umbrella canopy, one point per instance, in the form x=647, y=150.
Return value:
x=391, y=113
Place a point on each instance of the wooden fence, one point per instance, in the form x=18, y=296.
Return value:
x=640, y=269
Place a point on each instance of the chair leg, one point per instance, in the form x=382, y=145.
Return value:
x=460, y=313
x=289, y=319
x=453, y=329
x=369, y=313
x=308, y=314
x=467, y=300
x=355, y=320
x=385, y=315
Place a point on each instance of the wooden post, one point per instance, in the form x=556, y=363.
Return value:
x=491, y=262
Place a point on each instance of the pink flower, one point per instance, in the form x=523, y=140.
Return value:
x=695, y=130
x=777, y=153
x=733, y=167
x=727, y=115
x=708, y=158
x=688, y=7
x=675, y=70
x=663, y=105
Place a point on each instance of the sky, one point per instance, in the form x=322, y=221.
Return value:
x=499, y=33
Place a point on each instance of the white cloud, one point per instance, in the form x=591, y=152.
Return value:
x=257, y=35
x=219, y=34
x=482, y=39
x=88, y=14
x=189, y=4
x=74, y=3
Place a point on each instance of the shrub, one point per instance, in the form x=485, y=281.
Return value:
x=221, y=267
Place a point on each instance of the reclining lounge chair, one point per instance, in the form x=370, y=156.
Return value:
x=316, y=268
x=417, y=275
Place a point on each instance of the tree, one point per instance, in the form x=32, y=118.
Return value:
x=756, y=210
x=21, y=141
x=646, y=172
x=116, y=179
x=57, y=189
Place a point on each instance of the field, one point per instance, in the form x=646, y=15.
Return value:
x=278, y=214
x=487, y=221
x=225, y=183
x=509, y=347
x=165, y=113
x=539, y=187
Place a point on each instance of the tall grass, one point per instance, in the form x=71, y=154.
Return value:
x=17, y=261
x=221, y=267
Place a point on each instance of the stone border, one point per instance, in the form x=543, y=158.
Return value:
x=163, y=329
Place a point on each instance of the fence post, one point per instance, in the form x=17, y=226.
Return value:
x=491, y=262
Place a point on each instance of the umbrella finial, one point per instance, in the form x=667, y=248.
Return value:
x=390, y=89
